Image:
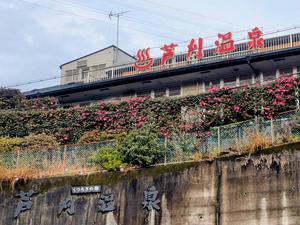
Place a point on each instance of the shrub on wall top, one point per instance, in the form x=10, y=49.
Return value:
x=190, y=114
x=10, y=98
x=39, y=142
x=14, y=99
x=8, y=144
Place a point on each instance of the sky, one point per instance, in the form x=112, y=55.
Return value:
x=37, y=36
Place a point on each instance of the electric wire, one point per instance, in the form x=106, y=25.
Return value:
x=102, y=20
x=128, y=18
x=207, y=47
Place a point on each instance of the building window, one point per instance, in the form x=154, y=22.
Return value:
x=175, y=91
x=245, y=80
x=230, y=82
x=298, y=70
x=108, y=75
x=286, y=72
x=159, y=93
x=143, y=93
x=269, y=76
x=129, y=94
x=84, y=73
x=69, y=76
x=75, y=75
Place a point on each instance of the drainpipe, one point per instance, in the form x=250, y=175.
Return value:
x=256, y=72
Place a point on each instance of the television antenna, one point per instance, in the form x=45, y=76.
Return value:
x=117, y=15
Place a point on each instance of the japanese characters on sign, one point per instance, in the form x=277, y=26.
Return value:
x=224, y=44
x=25, y=202
x=255, y=39
x=193, y=47
x=150, y=199
x=169, y=51
x=105, y=203
x=85, y=190
x=68, y=206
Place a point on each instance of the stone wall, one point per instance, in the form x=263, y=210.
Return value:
x=258, y=190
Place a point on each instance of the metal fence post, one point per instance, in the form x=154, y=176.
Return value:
x=238, y=138
x=219, y=140
x=18, y=158
x=64, y=158
x=256, y=124
x=165, y=156
x=272, y=131
x=297, y=100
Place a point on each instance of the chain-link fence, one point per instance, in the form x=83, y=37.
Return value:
x=239, y=137
x=65, y=156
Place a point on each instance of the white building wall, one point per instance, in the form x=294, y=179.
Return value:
x=74, y=71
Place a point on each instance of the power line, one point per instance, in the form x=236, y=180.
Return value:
x=192, y=13
x=31, y=82
x=207, y=47
x=128, y=18
x=132, y=18
x=164, y=16
x=97, y=19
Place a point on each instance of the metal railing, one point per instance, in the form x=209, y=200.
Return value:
x=240, y=137
x=180, y=60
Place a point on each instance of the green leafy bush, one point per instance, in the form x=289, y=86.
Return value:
x=10, y=98
x=141, y=147
x=108, y=157
x=95, y=136
x=8, y=144
x=39, y=142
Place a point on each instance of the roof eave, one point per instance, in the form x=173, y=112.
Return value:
x=168, y=73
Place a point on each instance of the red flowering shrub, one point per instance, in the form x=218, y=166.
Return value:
x=41, y=103
x=189, y=114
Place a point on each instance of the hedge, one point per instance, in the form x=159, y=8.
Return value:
x=14, y=99
x=194, y=114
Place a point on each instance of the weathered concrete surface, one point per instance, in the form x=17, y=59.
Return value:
x=255, y=190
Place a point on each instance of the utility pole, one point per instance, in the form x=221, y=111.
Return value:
x=111, y=14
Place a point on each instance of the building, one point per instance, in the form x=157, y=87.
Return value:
x=98, y=80
x=79, y=69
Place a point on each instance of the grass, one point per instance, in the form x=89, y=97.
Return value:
x=29, y=173
x=255, y=141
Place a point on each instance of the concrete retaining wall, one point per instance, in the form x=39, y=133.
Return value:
x=255, y=190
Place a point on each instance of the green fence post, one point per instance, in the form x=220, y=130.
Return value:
x=272, y=131
x=165, y=157
x=64, y=159
x=18, y=158
x=219, y=140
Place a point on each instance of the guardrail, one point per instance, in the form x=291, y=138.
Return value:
x=180, y=60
